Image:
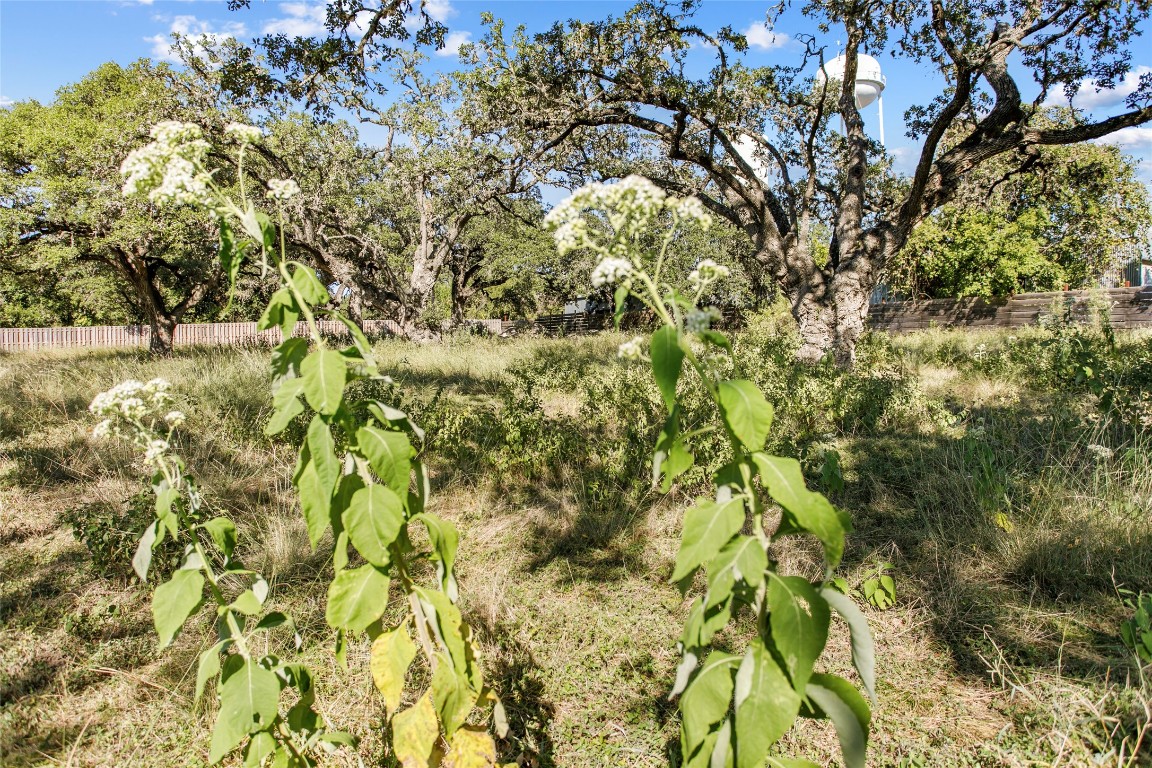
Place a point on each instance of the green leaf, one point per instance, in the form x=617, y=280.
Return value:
x=373, y=521
x=620, y=298
x=394, y=417
x=207, y=668
x=706, y=701
x=664, y=443
x=745, y=411
x=260, y=747
x=451, y=694
x=281, y=311
x=708, y=526
x=806, y=510
x=287, y=356
x=142, y=560
x=445, y=540
x=317, y=472
x=308, y=285
x=174, y=601
x=357, y=597
x=324, y=374
x=392, y=654
x=414, y=733
x=799, y=621
x=286, y=402
x=249, y=698
x=667, y=360
x=358, y=337
x=223, y=534
x=849, y=714
x=741, y=560
x=766, y=705
x=678, y=462
x=231, y=257
x=863, y=652
x=247, y=603
x=390, y=455
x=446, y=624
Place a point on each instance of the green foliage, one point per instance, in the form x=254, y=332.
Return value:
x=1136, y=632
x=110, y=532
x=733, y=708
x=1074, y=213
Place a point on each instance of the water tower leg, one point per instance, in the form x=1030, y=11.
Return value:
x=880, y=104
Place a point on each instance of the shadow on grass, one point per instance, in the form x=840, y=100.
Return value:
x=998, y=531
x=515, y=676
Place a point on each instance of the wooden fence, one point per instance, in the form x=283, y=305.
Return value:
x=1127, y=308
x=14, y=339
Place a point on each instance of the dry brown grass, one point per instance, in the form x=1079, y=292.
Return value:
x=979, y=664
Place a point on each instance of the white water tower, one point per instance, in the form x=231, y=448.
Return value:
x=869, y=82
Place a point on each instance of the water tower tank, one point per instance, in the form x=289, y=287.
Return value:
x=869, y=78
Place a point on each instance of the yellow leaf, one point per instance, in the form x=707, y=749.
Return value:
x=471, y=748
x=392, y=652
x=414, y=733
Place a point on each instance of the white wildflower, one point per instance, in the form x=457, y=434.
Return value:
x=610, y=271
x=571, y=235
x=155, y=449
x=691, y=209
x=171, y=168
x=133, y=408
x=282, y=189
x=245, y=134
x=173, y=132
x=1100, y=452
x=699, y=320
x=102, y=430
x=174, y=418
x=631, y=350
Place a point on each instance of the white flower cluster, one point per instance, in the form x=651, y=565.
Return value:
x=154, y=450
x=282, y=189
x=701, y=319
x=171, y=168
x=691, y=209
x=631, y=205
x=133, y=409
x=245, y=134
x=1100, y=452
x=631, y=350
x=707, y=271
x=132, y=398
x=611, y=271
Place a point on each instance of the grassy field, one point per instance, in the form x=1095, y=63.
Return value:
x=1006, y=479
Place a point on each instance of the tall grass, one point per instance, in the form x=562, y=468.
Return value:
x=1010, y=518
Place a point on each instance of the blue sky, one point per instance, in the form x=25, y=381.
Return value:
x=45, y=44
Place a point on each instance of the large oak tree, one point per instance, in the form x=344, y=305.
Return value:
x=761, y=146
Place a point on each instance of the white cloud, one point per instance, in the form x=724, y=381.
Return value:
x=452, y=43
x=197, y=30
x=1089, y=97
x=5, y=102
x=1134, y=139
x=302, y=20
x=439, y=10
x=904, y=159
x=764, y=39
